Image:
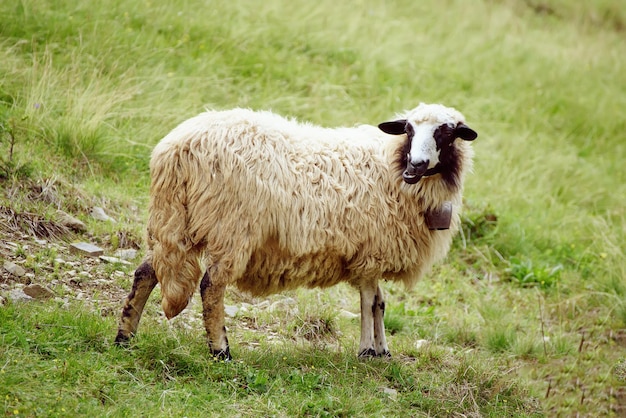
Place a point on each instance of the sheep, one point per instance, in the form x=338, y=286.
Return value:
x=270, y=204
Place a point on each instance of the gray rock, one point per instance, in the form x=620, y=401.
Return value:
x=14, y=269
x=39, y=292
x=126, y=254
x=421, y=343
x=100, y=215
x=112, y=260
x=391, y=393
x=231, y=310
x=347, y=314
x=71, y=222
x=87, y=249
x=18, y=295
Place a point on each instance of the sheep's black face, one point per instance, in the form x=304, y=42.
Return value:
x=429, y=148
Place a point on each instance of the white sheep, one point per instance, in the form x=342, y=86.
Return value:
x=270, y=204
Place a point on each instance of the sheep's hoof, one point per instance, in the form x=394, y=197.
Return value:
x=370, y=353
x=385, y=354
x=122, y=340
x=367, y=354
x=222, y=355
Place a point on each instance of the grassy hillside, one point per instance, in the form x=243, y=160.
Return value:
x=526, y=316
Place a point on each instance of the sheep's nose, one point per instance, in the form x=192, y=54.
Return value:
x=419, y=167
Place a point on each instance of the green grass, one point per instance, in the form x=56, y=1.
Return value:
x=71, y=354
x=529, y=306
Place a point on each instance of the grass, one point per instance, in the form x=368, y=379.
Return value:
x=73, y=353
x=527, y=314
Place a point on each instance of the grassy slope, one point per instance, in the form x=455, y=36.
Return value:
x=87, y=89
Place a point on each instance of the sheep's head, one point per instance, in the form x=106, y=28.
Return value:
x=431, y=132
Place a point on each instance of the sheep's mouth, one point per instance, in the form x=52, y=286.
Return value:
x=410, y=177
x=413, y=174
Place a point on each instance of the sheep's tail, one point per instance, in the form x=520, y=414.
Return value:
x=175, y=259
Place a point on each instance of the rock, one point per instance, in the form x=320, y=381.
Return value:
x=421, y=343
x=14, y=269
x=231, y=310
x=263, y=305
x=347, y=314
x=126, y=254
x=87, y=249
x=18, y=295
x=111, y=260
x=282, y=304
x=98, y=214
x=70, y=222
x=39, y=292
x=391, y=393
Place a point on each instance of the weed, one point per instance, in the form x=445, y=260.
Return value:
x=525, y=274
x=9, y=166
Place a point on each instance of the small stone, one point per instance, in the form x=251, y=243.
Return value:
x=231, y=310
x=39, y=292
x=126, y=254
x=282, y=304
x=14, y=269
x=421, y=343
x=100, y=215
x=18, y=295
x=87, y=249
x=391, y=393
x=347, y=314
x=112, y=260
x=263, y=305
x=70, y=222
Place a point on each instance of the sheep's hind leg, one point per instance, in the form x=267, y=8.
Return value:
x=213, y=314
x=366, y=345
x=144, y=283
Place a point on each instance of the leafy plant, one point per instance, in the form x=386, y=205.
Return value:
x=525, y=274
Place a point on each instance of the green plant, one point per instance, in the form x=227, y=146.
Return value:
x=524, y=273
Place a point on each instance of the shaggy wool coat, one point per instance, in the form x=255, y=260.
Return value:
x=268, y=204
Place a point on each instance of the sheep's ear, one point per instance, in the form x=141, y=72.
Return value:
x=465, y=132
x=396, y=127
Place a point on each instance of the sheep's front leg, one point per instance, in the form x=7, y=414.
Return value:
x=373, y=342
x=213, y=314
x=380, y=341
x=144, y=283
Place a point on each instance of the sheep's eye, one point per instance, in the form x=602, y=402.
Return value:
x=444, y=135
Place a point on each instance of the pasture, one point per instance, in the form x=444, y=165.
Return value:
x=525, y=317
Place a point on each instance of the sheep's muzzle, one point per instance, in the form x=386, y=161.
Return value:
x=414, y=172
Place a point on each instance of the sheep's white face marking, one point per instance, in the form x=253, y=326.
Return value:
x=423, y=146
